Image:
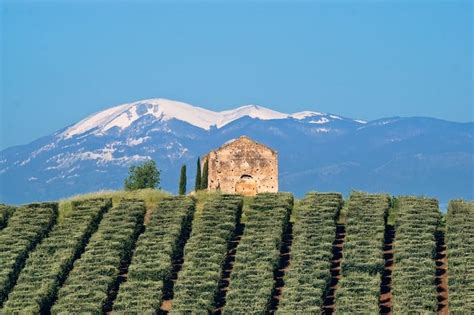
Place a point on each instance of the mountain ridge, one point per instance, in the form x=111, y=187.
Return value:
x=164, y=109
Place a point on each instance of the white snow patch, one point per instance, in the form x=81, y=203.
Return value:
x=360, y=121
x=23, y=163
x=335, y=117
x=305, y=114
x=323, y=130
x=252, y=111
x=133, y=142
x=322, y=120
x=32, y=178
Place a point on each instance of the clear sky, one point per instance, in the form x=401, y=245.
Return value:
x=63, y=60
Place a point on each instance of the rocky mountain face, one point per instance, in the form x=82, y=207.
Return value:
x=317, y=151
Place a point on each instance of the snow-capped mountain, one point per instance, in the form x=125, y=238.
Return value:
x=317, y=151
x=123, y=116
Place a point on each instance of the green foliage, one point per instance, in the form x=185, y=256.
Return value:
x=182, y=181
x=86, y=288
x=311, y=251
x=363, y=261
x=205, y=254
x=151, y=197
x=413, y=278
x=26, y=228
x=143, y=176
x=205, y=175
x=197, y=184
x=5, y=213
x=152, y=263
x=48, y=265
x=258, y=253
x=460, y=250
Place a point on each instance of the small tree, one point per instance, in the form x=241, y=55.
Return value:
x=197, y=184
x=182, y=181
x=142, y=176
x=205, y=174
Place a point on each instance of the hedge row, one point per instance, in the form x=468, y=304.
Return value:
x=5, y=213
x=95, y=272
x=309, y=273
x=460, y=250
x=26, y=227
x=152, y=262
x=49, y=264
x=258, y=254
x=363, y=262
x=413, y=277
x=204, y=255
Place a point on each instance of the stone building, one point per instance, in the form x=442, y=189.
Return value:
x=243, y=166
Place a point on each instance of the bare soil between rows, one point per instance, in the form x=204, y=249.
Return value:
x=228, y=267
x=441, y=261
x=385, y=300
x=283, y=265
x=337, y=253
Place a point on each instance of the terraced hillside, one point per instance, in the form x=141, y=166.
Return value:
x=213, y=253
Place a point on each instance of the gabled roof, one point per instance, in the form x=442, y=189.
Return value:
x=241, y=138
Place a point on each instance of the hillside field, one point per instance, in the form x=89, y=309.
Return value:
x=151, y=252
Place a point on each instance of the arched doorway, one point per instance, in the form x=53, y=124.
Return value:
x=246, y=186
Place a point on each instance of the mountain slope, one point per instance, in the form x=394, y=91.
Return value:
x=316, y=151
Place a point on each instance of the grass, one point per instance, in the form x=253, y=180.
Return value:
x=151, y=197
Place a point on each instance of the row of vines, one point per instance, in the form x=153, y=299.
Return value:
x=5, y=213
x=257, y=255
x=413, y=278
x=205, y=254
x=460, y=244
x=309, y=275
x=363, y=262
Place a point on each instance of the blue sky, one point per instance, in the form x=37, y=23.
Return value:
x=63, y=60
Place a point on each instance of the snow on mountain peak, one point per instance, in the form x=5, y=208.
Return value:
x=305, y=114
x=123, y=116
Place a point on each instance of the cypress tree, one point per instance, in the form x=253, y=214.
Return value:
x=197, y=184
x=205, y=173
x=182, y=180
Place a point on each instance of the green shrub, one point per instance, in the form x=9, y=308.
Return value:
x=413, y=276
x=460, y=250
x=309, y=274
x=49, y=264
x=258, y=253
x=362, y=263
x=143, y=176
x=151, y=265
x=26, y=227
x=205, y=253
x=93, y=275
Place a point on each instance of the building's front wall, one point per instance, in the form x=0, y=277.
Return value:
x=244, y=167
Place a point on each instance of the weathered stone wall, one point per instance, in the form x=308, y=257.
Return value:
x=243, y=166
